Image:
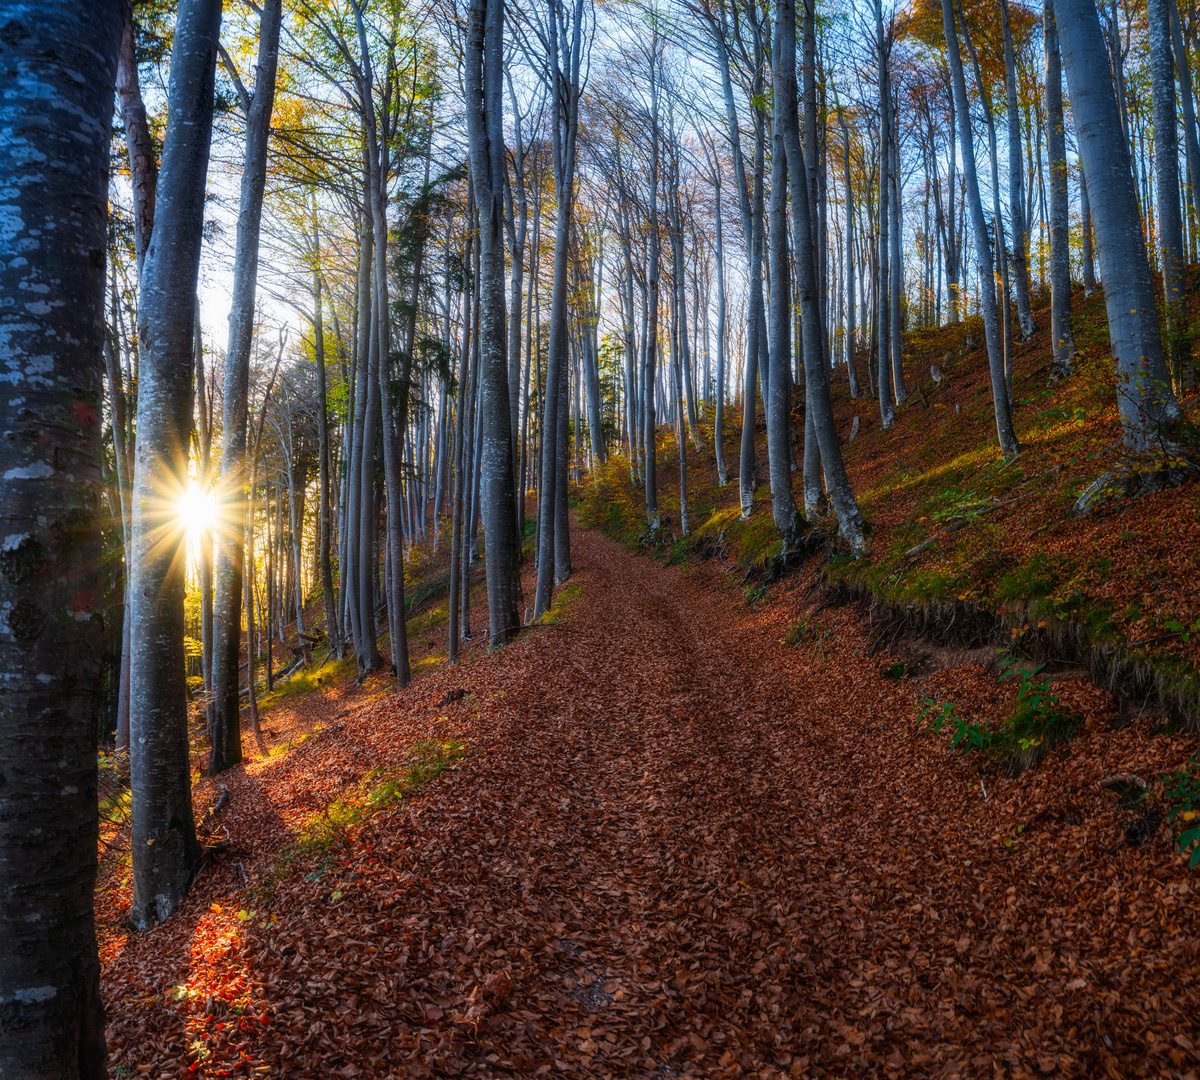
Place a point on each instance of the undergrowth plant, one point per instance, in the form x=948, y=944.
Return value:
x=427, y=759
x=1036, y=723
x=1182, y=795
x=963, y=734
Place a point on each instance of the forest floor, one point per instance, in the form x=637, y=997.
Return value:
x=664, y=842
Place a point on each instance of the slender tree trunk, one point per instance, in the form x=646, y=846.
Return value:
x=1170, y=223
x=163, y=837
x=484, y=81
x=143, y=164
x=818, y=406
x=332, y=627
x=1063, y=340
x=459, y=494
x=205, y=539
x=778, y=392
x=224, y=725
x=1183, y=64
x=1085, y=228
x=565, y=41
x=896, y=268
x=56, y=101
x=719, y=407
x=1016, y=183
x=983, y=251
x=850, y=328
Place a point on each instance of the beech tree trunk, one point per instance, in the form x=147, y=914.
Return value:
x=1063, y=340
x=224, y=723
x=484, y=85
x=56, y=101
x=1166, y=157
x=565, y=47
x=983, y=249
x=818, y=404
x=778, y=391
x=1144, y=395
x=1016, y=183
x=163, y=835
x=883, y=322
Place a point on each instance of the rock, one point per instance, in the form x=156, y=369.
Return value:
x=1129, y=788
x=1129, y=483
x=936, y=371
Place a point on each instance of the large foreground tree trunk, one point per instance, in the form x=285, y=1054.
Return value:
x=163, y=837
x=56, y=94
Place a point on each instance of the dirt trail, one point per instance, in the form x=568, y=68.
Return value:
x=679, y=848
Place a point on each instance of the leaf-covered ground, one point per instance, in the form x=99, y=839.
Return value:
x=675, y=847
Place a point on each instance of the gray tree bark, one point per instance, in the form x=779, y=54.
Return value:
x=1166, y=157
x=59, y=64
x=484, y=86
x=143, y=164
x=163, y=835
x=849, y=211
x=1144, y=396
x=564, y=47
x=224, y=722
x=883, y=327
x=333, y=627
x=779, y=389
x=818, y=405
x=983, y=250
x=1062, y=337
x=1016, y=183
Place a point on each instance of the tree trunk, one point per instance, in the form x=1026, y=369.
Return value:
x=224, y=725
x=55, y=107
x=1170, y=223
x=565, y=45
x=1062, y=338
x=163, y=837
x=850, y=329
x=1144, y=396
x=818, y=406
x=143, y=165
x=983, y=251
x=333, y=628
x=483, y=82
x=778, y=392
x=1085, y=228
x=1016, y=183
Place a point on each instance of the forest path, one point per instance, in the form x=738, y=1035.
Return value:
x=680, y=848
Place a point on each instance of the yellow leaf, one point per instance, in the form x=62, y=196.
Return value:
x=1190, y=815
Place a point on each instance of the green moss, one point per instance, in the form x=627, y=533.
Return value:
x=379, y=788
x=1033, y=579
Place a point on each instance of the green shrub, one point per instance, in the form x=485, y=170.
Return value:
x=1036, y=723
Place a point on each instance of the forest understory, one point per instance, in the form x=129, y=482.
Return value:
x=720, y=849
